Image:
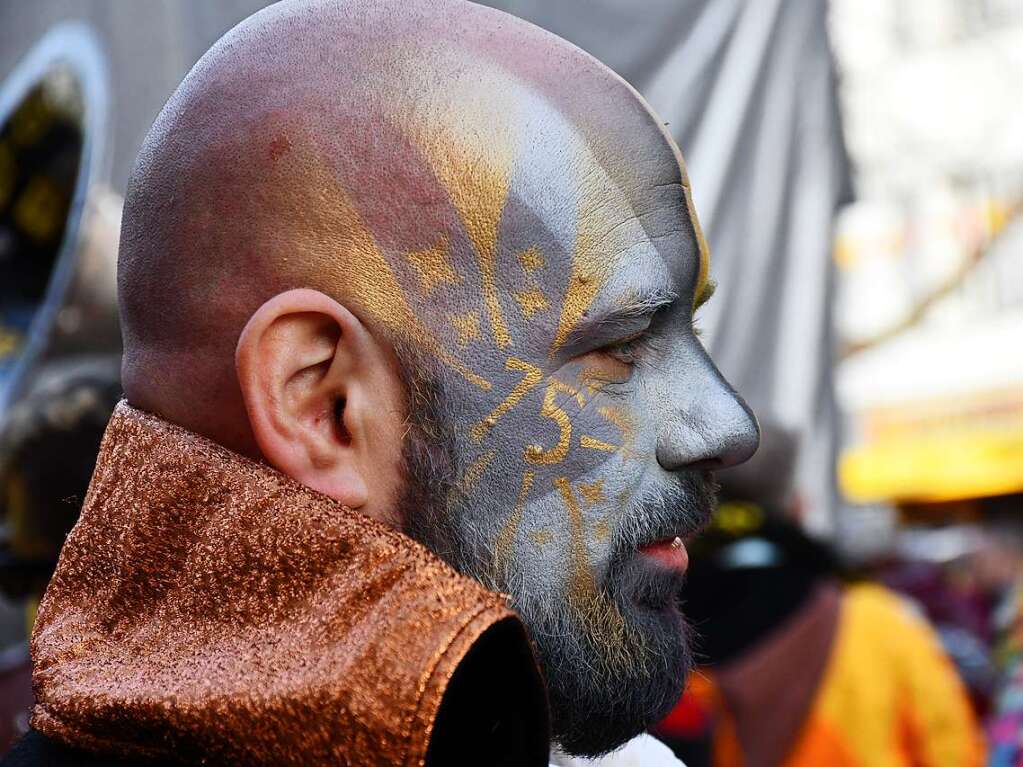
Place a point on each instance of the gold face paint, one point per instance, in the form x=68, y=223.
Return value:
x=506, y=540
x=531, y=302
x=476, y=172
x=468, y=327
x=551, y=410
x=704, y=249
x=592, y=443
x=623, y=421
x=594, y=379
x=433, y=266
x=585, y=281
x=532, y=377
x=592, y=492
x=369, y=283
x=541, y=537
x=583, y=588
x=531, y=260
x=474, y=473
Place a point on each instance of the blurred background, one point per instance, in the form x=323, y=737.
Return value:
x=858, y=168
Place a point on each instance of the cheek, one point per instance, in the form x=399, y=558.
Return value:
x=563, y=425
x=548, y=470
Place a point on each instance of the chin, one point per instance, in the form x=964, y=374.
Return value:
x=601, y=695
x=596, y=717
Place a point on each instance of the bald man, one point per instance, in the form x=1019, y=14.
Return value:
x=414, y=394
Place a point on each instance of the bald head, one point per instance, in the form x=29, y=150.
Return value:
x=319, y=144
x=442, y=266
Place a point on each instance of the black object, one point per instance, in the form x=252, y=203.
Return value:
x=49, y=442
x=743, y=584
x=36, y=750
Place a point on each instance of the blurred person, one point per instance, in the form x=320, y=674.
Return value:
x=795, y=668
x=408, y=297
x=955, y=595
x=48, y=447
x=966, y=578
x=998, y=569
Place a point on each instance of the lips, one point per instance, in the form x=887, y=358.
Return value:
x=661, y=541
x=669, y=553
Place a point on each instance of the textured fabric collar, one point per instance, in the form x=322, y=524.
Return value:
x=208, y=608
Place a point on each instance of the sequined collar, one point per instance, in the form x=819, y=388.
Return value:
x=208, y=608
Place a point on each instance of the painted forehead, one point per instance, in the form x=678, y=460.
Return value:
x=515, y=220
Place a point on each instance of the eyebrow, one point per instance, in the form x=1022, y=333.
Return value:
x=635, y=309
x=634, y=306
x=640, y=304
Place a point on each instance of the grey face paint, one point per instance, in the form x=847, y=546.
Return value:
x=594, y=438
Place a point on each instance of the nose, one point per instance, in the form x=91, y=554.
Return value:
x=713, y=430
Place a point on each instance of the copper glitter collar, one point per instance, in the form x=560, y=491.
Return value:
x=208, y=608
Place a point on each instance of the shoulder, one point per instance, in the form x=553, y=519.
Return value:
x=888, y=628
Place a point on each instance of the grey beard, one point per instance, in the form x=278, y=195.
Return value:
x=610, y=673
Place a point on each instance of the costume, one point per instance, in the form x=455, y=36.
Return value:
x=207, y=607
x=1005, y=728
x=853, y=679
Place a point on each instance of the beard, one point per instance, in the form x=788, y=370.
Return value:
x=619, y=665
x=614, y=665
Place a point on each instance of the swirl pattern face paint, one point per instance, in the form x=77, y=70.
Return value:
x=491, y=198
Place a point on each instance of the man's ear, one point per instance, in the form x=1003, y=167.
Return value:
x=324, y=399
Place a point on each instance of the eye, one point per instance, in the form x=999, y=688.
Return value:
x=614, y=363
x=628, y=350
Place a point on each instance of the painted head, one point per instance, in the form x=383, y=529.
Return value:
x=443, y=266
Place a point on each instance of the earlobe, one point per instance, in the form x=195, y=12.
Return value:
x=296, y=360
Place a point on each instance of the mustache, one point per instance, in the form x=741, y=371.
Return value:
x=681, y=508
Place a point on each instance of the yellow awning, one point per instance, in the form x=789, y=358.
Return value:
x=938, y=451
